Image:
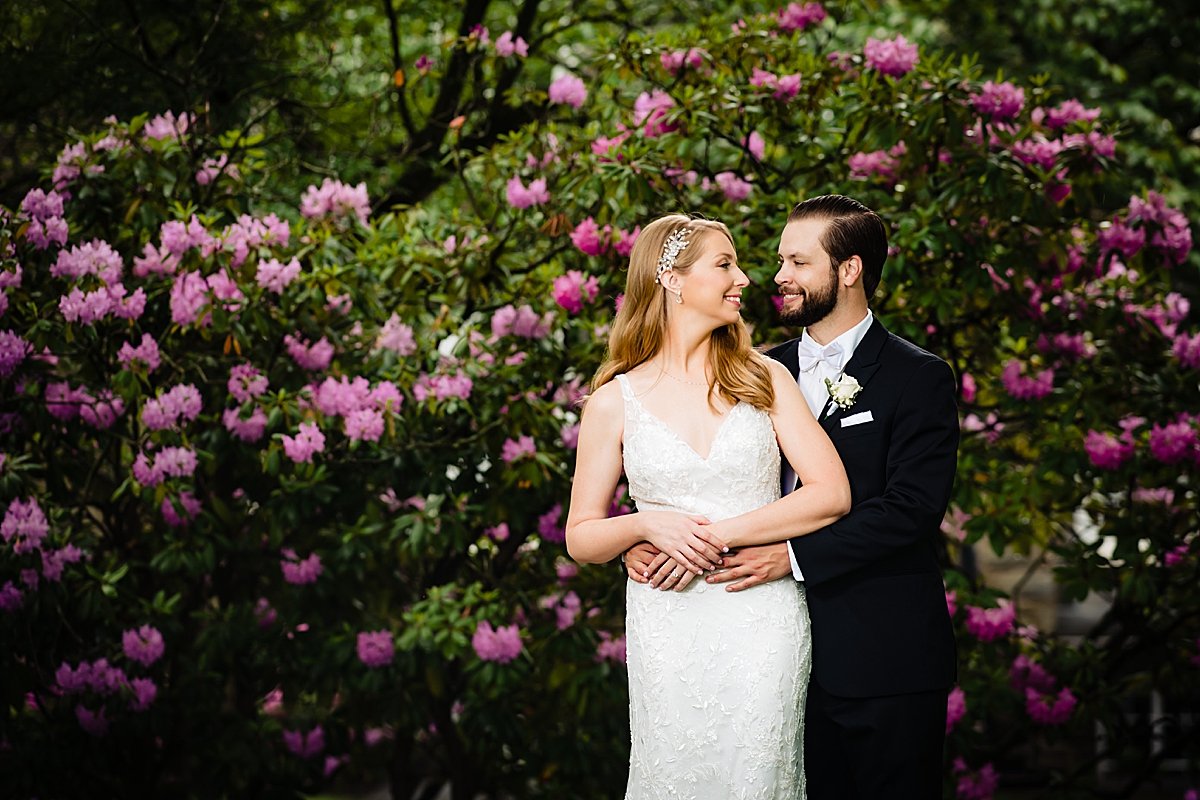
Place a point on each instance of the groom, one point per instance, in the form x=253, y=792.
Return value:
x=883, y=645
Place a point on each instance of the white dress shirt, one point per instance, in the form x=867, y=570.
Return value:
x=812, y=385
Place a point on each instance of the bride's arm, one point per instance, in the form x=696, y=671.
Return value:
x=592, y=536
x=824, y=494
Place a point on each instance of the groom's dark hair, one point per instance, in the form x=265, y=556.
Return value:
x=854, y=230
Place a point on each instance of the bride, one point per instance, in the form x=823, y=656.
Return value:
x=695, y=419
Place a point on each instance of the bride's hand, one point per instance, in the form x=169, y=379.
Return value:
x=669, y=576
x=684, y=538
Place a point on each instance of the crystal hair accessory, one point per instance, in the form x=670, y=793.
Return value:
x=674, y=245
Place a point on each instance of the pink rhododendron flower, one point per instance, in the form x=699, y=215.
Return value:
x=96, y=257
x=54, y=561
x=734, y=187
x=143, y=645
x=1174, y=442
x=514, y=449
x=1000, y=101
x=1176, y=555
x=650, y=110
x=10, y=597
x=336, y=200
x=1185, y=348
x=497, y=533
x=506, y=45
x=956, y=707
x=443, y=387
x=1106, y=451
x=755, y=145
x=568, y=89
x=501, y=645
x=145, y=691
x=214, y=168
x=893, y=57
x=1027, y=673
x=178, y=237
x=1049, y=709
x=41, y=205
x=1121, y=238
x=305, y=745
x=93, y=723
x=312, y=356
x=567, y=611
x=979, y=785
x=569, y=435
x=364, y=424
x=300, y=571
x=375, y=649
x=523, y=322
x=610, y=649
x=797, y=17
x=155, y=261
x=574, y=289
x=693, y=58
x=24, y=526
x=179, y=405
x=189, y=294
x=550, y=527
x=302, y=446
x=42, y=233
x=1024, y=387
x=1068, y=112
x=274, y=276
x=623, y=241
x=248, y=429
x=167, y=126
x=878, y=163
x=102, y=410
x=1037, y=151
x=13, y=351
x=588, y=237
x=62, y=401
x=245, y=382
x=989, y=624
x=145, y=353
x=951, y=602
x=397, y=337
x=520, y=196
x=423, y=64
x=189, y=509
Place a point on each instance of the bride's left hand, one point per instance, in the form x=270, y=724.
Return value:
x=670, y=576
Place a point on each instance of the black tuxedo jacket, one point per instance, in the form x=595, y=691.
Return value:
x=874, y=583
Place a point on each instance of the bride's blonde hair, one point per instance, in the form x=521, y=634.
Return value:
x=640, y=328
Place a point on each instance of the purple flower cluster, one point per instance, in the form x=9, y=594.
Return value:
x=45, y=214
x=895, y=57
x=1049, y=709
x=179, y=405
x=956, y=707
x=989, y=624
x=13, y=351
x=611, y=649
x=312, y=356
x=523, y=323
x=1026, y=387
x=550, y=525
x=24, y=526
x=797, y=17
x=1000, y=101
x=167, y=126
x=877, y=163
x=501, y=645
x=300, y=571
x=574, y=289
x=336, y=200
x=971, y=785
x=507, y=46
x=1174, y=234
x=517, y=448
x=589, y=238
x=358, y=403
x=179, y=517
x=191, y=292
x=1185, y=348
x=1176, y=441
x=521, y=196
x=734, y=187
x=170, y=462
x=213, y=168
x=305, y=745
x=375, y=648
x=568, y=89
x=1106, y=451
x=98, y=676
x=307, y=441
x=650, y=111
x=143, y=645
x=397, y=337
x=692, y=58
x=275, y=276
x=1068, y=112
x=146, y=353
x=442, y=387
x=785, y=87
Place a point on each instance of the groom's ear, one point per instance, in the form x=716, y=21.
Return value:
x=851, y=271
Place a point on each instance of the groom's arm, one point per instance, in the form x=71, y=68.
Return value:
x=921, y=460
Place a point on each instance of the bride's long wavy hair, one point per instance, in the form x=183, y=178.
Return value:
x=640, y=328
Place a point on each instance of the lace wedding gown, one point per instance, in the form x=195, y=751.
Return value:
x=716, y=678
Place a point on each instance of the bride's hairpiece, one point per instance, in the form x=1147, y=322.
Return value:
x=674, y=245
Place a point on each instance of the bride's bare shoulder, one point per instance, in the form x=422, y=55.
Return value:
x=606, y=402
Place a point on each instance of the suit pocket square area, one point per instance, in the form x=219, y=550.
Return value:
x=857, y=419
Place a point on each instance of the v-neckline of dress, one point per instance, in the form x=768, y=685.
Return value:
x=712, y=447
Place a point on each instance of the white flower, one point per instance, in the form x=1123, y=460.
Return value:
x=844, y=390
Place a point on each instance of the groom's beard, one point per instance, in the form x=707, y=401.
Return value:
x=814, y=306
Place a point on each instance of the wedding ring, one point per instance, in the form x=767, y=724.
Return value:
x=675, y=573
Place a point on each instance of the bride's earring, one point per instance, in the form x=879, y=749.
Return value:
x=679, y=296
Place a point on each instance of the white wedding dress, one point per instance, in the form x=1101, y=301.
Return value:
x=716, y=679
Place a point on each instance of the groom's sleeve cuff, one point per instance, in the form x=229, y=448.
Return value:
x=796, y=573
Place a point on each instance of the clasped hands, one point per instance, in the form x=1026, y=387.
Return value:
x=679, y=547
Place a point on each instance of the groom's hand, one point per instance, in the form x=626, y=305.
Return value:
x=750, y=566
x=642, y=560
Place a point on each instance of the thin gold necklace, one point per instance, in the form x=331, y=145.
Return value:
x=681, y=380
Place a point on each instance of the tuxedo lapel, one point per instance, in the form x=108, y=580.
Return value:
x=862, y=366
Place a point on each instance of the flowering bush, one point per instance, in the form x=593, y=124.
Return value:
x=282, y=485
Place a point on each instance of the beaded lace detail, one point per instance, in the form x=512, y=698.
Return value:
x=716, y=679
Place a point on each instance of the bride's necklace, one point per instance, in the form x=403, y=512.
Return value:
x=681, y=380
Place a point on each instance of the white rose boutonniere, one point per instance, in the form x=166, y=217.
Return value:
x=844, y=390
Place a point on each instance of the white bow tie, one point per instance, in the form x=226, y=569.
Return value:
x=810, y=354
